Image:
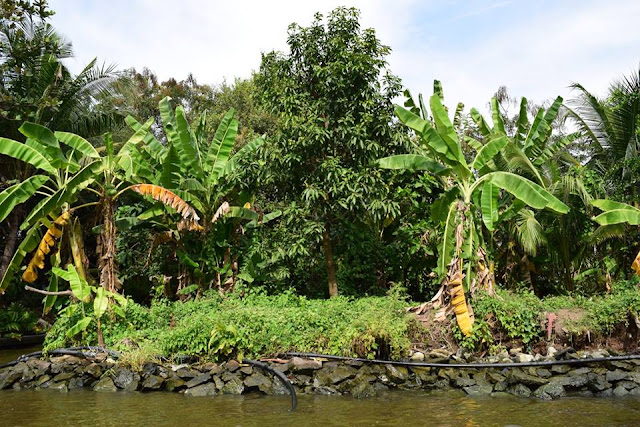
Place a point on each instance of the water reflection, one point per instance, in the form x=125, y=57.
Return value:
x=85, y=407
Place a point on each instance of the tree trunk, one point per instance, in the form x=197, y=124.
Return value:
x=107, y=248
x=12, y=239
x=331, y=268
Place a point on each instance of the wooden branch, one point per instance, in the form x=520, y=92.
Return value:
x=40, y=291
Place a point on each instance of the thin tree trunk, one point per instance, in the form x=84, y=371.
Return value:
x=108, y=275
x=12, y=239
x=331, y=268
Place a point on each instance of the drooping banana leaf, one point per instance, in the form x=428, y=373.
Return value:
x=78, y=143
x=412, y=162
x=79, y=182
x=28, y=244
x=488, y=151
x=47, y=244
x=23, y=152
x=19, y=193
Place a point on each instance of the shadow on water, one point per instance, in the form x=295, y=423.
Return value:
x=86, y=407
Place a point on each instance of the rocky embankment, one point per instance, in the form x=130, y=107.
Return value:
x=611, y=378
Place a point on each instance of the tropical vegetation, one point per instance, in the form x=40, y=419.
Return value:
x=300, y=209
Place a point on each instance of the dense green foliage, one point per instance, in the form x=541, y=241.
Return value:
x=268, y=189
x=256, y=325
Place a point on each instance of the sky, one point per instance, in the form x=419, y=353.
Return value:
x=536, y=48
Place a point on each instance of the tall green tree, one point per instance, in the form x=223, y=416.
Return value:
x=332, y=97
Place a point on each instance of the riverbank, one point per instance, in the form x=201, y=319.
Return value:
x=326, y=377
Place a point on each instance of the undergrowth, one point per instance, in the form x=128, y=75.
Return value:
x=254, y=325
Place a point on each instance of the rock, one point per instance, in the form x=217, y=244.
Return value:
x=301, y=380
x=76, y=382
x=232, y=365
x=620, y=391
x=524, y=358
x=40, y=367
x=465, y=382
x=186, y=373
x=543, y=373
x=174, y=383
x=247, y=370
x=518, y=376
x=152, y=382
x=258, y=380
x=218, y=382
x=126, y=379
x=579, y=371
x=105, y=384
x=418, y=356
x=598, y=383
x=397, y=374
x=501, y=386
x=551, y=352
x=514, y=351
x=616, y=375
x=519, y=390
x=93, y=369
x=478, y=390
x=629, y=385
x=235, y=386
x=298, y=364
x=333, y=375
x=215, y=370
x=363, y=390
x=495, y=377
x=208, y=389
x=64, y=376
x=326, y=390
x=560, y=369
x=61, y=386
x=197, y=380
x=43, y=379
x=149, y=369
x=549, y=391
x=8, y=377
x=623, y=365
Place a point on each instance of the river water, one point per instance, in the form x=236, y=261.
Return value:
x=86, y=407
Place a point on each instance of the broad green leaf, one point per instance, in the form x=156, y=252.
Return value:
x=489, y=204
x=19, y=193
x=448, y=239
x=242, y=213
x=523, y=123
x=221, y=146
x=445, y=129
x=23, y=152
x=619, y=216
x=489, y=150
x=185, y=145
x=607, y=205
x=538, y=122
x=78, y=285
x=168, y=121
x=484, y=129
x=170, y=177
x=80, y=326
x=79, y=182
x=412, y=120
x=100, y=302
x=40, y=134
x=78, y=143
x=498, y=123
x=412, y=162
x=529, y=192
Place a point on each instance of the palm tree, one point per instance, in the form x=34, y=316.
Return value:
x=610, y=126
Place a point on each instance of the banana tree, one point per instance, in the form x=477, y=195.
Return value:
x=470, y=200
x=65, y=165
x=70, y=165
x=195, y=168
x=615, y=213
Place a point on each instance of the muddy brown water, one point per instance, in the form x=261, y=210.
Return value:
x=86, y=407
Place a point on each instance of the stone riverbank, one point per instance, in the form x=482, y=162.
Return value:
x=611, y=378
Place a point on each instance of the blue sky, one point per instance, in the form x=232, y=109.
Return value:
x=535, y=48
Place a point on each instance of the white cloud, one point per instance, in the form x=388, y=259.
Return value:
x=539, y=58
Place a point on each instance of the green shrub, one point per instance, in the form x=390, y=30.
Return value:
x=258, y=325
